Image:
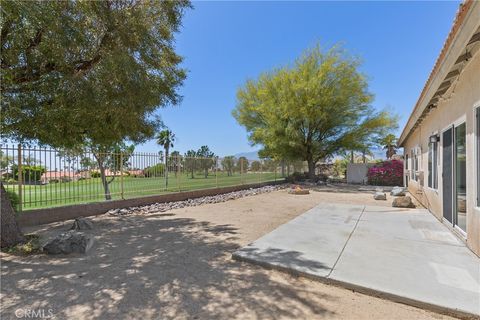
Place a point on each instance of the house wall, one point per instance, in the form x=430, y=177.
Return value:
x=458, y=106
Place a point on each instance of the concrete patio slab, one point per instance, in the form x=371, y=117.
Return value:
x=403, y=254
x=309, y=243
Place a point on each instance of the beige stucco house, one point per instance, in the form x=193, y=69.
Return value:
x=441, y=139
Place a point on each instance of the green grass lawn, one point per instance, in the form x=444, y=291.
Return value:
x=91, y=190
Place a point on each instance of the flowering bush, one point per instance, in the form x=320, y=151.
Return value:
x=387, y=173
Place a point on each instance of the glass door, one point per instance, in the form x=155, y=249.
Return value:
x=460, y=195
x=447, y=175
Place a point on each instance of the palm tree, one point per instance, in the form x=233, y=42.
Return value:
x=166, y=138
x=389, y=143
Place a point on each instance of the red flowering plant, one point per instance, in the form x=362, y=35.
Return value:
x=387, y=173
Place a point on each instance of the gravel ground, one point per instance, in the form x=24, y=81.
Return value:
x=177, y=264
x=162, y=207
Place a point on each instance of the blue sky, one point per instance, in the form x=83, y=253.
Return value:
x=225, y=43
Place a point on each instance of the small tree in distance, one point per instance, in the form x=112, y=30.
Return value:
x=242, y=164
x=190, y=162
x=166, y=138
x=228, y=164
x=205, y=159
x=255, y=165
x=389, y=143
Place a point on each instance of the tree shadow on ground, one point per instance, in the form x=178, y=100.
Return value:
x=286, y=259
x=154, y=267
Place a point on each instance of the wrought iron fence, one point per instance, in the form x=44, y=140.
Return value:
x=40, y=177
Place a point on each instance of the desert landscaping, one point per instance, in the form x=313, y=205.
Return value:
x=178, y=264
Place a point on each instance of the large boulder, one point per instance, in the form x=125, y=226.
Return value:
x=398, y=192
x=82, y=224
x=69, y=242
x=403, y=202
x=380, y=196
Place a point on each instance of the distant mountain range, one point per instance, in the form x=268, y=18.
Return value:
x=253, y=155
x=378, y=153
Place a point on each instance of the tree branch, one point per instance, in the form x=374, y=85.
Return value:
x=35, y=41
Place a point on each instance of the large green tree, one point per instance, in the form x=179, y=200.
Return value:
x=73, y=71
x=312, y=109
x=88, y=73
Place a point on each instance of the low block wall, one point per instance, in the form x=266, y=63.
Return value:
x=43, y=216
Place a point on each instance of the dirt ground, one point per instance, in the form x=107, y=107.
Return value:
x=177, y=265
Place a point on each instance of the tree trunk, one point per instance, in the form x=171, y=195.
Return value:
x=166, y=168
x=364, y=157
x=352, y=159
x=105, y=184
x=10, y=231
x=311, y=169
x=206, y=173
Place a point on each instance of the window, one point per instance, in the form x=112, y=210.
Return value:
x=406, y=170
x=433, y=163
x=412, y=172
x=478, y=156
x=414, y=155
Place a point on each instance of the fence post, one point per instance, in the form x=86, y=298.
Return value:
x=260, y=176
x=166, y=172
x=121, y=175
x=216, y=172
x=20, y=178
x=275, y=174
x=177, y=170
x=241, y=171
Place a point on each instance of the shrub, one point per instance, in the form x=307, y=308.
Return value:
x=14, y=200
x=157, y=170
x=296, y=177
x=65, y=179
x=95, y=174
x=387, y=173
x=30, y=173
x=30, y=246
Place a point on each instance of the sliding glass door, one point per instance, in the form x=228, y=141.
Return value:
x=460, y=198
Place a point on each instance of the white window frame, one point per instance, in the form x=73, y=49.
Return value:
x=435, y=160
x=476, y=114
x=416, y=152
x=413, y=173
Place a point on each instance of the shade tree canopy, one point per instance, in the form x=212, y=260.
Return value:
x=76, y=72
